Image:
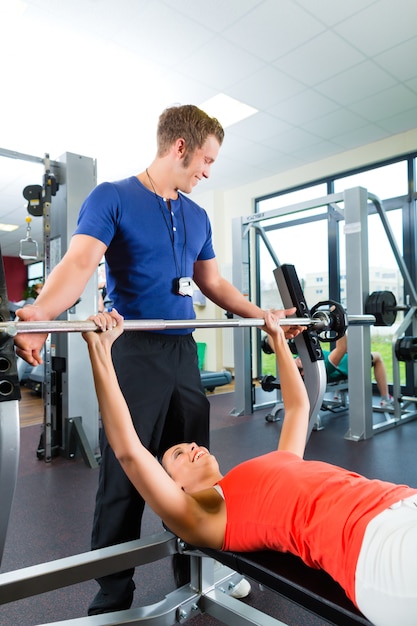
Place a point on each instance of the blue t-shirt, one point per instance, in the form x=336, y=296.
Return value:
x=148, y=248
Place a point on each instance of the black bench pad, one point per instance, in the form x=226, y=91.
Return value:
x=286, y=574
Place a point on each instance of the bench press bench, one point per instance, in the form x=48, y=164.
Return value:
x=213, y=573
x=213, y=576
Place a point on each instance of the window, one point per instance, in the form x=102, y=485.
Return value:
x=385, y=182
x=292, y=246
x=293, y=197
x=308, y=240
x=35, y=273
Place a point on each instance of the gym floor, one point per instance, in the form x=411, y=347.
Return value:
x=54, y=502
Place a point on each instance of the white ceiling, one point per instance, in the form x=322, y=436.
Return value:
x=92, y=76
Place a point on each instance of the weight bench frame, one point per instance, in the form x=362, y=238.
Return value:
x=213, y=577
x=286, y=574
x=339, y=387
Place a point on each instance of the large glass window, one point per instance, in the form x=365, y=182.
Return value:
x=414, y=170
x=303, y=245
x=291, y=236
x=304, y=239
x=385, y=182
x=292, y=197
x=297, y=238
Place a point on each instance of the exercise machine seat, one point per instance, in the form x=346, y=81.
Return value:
x=211, y=380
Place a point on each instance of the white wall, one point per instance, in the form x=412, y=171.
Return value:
x=223, y=206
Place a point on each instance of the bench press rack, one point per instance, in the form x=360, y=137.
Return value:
x=213, y=573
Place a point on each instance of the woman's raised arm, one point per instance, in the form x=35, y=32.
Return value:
x=176, y=508
x=294, y=394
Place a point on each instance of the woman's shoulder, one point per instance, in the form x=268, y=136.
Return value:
x=209, y=520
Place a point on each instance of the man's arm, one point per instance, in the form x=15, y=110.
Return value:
x=220, y=291
x=209, y=280
x=62, y=288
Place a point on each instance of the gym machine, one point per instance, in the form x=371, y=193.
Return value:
x=9, y=417
x=352, y=206
x=338, y=387
x=71, y=418
x=384, y=307
x=357, y=277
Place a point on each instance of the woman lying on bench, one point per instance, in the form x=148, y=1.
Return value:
x=362, y=532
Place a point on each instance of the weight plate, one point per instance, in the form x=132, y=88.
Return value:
x=382, y=304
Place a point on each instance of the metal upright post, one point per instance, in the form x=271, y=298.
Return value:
x=357, y=291
x=47, y=389
x=77, y=177
x=242, y=337
x=9, y=418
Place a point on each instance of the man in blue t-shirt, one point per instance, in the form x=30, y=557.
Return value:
x=156, y=241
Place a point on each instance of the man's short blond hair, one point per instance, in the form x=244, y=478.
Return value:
x=189, y=123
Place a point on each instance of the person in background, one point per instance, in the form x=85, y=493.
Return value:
x=38, y=288
x=156, y=242
x=336, y=363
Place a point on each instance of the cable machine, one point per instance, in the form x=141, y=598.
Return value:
x=71, y=409
x=71, y=417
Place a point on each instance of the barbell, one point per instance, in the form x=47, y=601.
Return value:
x=321, y=320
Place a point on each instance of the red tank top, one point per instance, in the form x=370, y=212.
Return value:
x=312, y=509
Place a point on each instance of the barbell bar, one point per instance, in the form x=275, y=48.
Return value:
x=320, y=321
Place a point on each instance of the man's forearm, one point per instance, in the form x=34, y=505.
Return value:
x=229, y=298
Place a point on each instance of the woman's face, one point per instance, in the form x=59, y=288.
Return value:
x=191, y=466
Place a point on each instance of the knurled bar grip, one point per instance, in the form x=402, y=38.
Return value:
x=80, y=326
x=62, y=326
